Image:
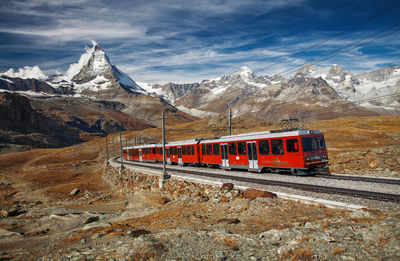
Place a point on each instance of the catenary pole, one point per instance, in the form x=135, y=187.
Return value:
x=120, y=147
x=230, y=121
x=165, y=176
x=112, y=141
x=106, y=150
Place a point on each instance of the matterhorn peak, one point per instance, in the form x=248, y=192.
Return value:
x=95, y=72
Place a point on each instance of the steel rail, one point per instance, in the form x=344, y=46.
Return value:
x=300, y=186
x=363, y=179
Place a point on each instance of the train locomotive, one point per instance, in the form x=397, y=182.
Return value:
x=300, y=152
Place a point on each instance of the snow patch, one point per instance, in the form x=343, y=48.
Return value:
x=197, y=113
x=151, y=88
x=30, y=93
x=219, y=90
x=7, y=80
x=26, y=73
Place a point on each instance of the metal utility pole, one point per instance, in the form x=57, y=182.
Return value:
x=112, y=141
x=106, y=150
x=230, y=122
x=120, y=147
x=164, y=173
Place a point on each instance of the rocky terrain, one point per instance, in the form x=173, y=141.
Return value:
x=64, y=203
x=43, y=121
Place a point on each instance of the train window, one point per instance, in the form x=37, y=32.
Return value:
x=193, y=151
x=189, y=150
x=321, y=143
x=292, y=145
x=209, y=149
x=232, y=148
x=216, y=148
x=263, y=147
x=241, y=147
x=154, y=150
x=309, y=144
x=277, y=147
x=183, y=150
x=203, y=148
x=168, y=152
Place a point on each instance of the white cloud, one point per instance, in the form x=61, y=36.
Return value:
x=26, y=73
x=274, y=53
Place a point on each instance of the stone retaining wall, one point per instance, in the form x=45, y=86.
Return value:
x=129, y=181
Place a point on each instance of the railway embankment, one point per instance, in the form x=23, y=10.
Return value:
x=210, y=221
x=130, y=180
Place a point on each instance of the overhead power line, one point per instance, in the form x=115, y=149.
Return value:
x=336, y=35
x=327, y=55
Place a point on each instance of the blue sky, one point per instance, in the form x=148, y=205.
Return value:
x=185, y=41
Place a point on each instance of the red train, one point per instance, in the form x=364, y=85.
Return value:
x=300, y=152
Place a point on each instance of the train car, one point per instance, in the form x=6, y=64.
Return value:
x=210, y=153
x=299, y=152
x=142, y=153
x=127, y=153
x=183, y=152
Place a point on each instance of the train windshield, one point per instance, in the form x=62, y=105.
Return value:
x=309, y=144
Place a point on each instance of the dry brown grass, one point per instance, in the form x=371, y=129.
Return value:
x=58, y=171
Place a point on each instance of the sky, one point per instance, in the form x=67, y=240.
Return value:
x=186, y=41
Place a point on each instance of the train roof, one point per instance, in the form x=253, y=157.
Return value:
x=174, y=143
x=183, y=142
x=244, y=136
x=261, y=135
x=143, y=146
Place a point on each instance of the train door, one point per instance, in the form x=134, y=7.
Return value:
x=168, y=157
x=224, y=155
x=180, y=156
x=140, y=155
x=252, y=153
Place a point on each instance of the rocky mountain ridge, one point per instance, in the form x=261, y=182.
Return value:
x=318, y=87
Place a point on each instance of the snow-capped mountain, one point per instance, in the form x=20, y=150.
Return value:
x=312, y=87
x=94, y=74
x=91, y=98
x=273, y=97
x=364, y=88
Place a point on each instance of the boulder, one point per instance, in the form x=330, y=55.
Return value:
x=255, y=193
x=227, y=187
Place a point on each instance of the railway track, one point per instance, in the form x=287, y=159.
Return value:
x=300, y=186
x=363, y=179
